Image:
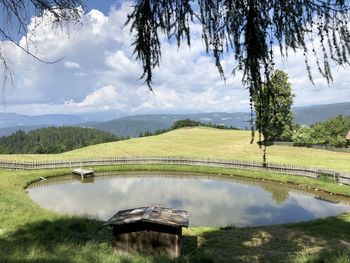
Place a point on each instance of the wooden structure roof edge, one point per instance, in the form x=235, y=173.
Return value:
x=150, y=214
x=348, y=135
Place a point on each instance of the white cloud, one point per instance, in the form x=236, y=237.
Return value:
x=80, y=74
x=106, y=74
x=99, y=22
x=103, y=96
x=71, y=65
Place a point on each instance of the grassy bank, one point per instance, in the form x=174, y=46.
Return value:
x=29, y=233
x=204, y=143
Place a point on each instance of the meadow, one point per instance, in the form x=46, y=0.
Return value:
x=29, y=233
x=203, y=142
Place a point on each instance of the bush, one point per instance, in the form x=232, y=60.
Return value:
x=331, y=132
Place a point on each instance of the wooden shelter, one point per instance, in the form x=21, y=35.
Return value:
x=149, y=230
x=348, y=135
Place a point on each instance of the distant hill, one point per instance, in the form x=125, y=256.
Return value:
x=9, y=130
x=13, y=119
x=53, y=140
x=317, y=113
x=133, y=125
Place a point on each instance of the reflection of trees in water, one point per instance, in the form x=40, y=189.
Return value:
x=279, y=193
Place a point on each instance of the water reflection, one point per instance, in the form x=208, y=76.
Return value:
x=211, y=201
x=278, y=194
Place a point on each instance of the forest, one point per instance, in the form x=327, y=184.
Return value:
x=53, y=140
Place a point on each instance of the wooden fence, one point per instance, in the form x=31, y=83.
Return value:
x=335, y=176
x=316, y=146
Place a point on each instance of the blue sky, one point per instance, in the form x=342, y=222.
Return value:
x=102, y=5
x=99, y=73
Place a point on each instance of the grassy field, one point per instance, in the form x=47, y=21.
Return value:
x=208, y=143
x=29, y=233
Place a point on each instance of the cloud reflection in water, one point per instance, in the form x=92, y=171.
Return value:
x=209, y=202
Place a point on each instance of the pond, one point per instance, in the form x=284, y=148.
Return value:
x=211, y=200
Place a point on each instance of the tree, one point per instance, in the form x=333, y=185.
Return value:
x=303, y=137
x=249, y=29
x=335, y=130
x=277, y=114
x=185, y=123
x=330, y=132
x=16, y=15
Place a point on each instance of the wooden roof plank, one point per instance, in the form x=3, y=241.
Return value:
x=152, y=214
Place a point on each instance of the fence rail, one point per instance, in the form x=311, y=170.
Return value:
x=315, y=146
x=341, y=177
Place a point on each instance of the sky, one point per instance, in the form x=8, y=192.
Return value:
x=98, y=72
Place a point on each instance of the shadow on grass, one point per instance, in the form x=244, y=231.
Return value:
x=325, y=240
x=55, y=240
x=77, y=240
x=85, y=240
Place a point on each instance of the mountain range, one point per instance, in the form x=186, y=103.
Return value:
x=133, y=125
x=317, y=113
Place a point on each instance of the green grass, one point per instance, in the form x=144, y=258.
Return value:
x=29, y=233
x=207, y=143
